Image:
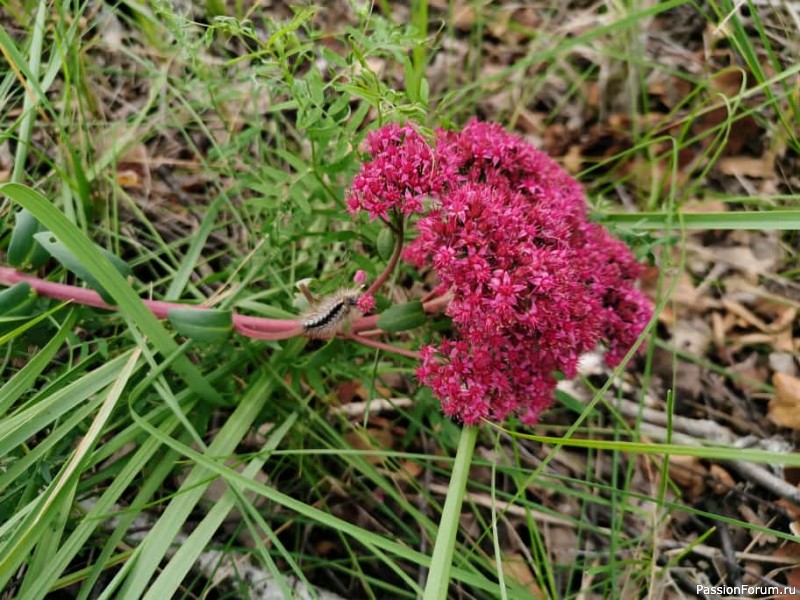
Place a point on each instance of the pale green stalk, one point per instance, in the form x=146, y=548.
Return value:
x=442, y=560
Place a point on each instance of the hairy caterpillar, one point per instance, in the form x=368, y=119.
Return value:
x=327, y=316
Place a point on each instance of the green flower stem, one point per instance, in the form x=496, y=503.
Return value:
x=442, y=560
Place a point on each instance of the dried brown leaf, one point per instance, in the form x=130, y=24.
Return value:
x=516, y=567
x=689, y=473
x=748, y=166
x=371, y=440
x=721, y=481
x=784, y=408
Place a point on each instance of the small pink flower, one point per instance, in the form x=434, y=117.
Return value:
x=360, y=277
x=366, y=303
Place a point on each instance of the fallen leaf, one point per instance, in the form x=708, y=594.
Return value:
x=747, y=166
x=350, y=391
x=789, y=550
x=409, y=470
x=789, y=507
x=689, y=474
x=692, y=337
x=745, y=314
x=784, y=408
x=721, y=481
x=751, y=373
x=128, y=178
x=516, y=567
x=370, y=440
x=133, y=168
x=744, y=260
x=729, y=81
x=562, y=544
x=759, y=537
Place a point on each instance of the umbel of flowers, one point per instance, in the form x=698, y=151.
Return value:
x=532, y=283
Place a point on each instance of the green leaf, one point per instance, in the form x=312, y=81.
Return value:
x=149, y=553
x=299, y=194
x=24, y=251
x=176, y=570
x=402, y=317
x=16, y=300
x=424, y=91
x=65, y=256
x=386, y=243
x=340, y=109
x=209, y=325
x=316, y=87
x=28, y=323
x=16, y=547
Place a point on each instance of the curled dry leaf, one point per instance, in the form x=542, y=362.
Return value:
x=374, y=439
x=759, y=537
x=784, y=408
x=516, y=567
x=790, y=550
x=760, y=168
x=690, y=474
x=720, y=480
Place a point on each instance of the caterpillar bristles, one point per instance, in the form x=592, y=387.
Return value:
x=331, y=314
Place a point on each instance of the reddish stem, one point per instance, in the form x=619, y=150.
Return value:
x=260, y=334
x=257, y=327
x=382, y=346
x=398, y=248
x=372, y=333
x=253, y=327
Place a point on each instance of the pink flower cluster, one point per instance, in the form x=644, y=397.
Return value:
x=403, y=171
x=533, y=283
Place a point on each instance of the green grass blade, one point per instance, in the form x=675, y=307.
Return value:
x=168, y=582
x=24, y=379
x=154, y=547
x=24, y=424
x=775, y=219
x=116, y=286
x=34, y=528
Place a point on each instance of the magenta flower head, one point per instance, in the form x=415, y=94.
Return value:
x=403, y=171
x=533, y=284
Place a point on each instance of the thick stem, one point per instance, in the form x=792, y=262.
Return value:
x=257, y=334
x=257, y=327
x=253, y=327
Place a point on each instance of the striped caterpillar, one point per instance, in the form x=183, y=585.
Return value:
x=329, y=315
